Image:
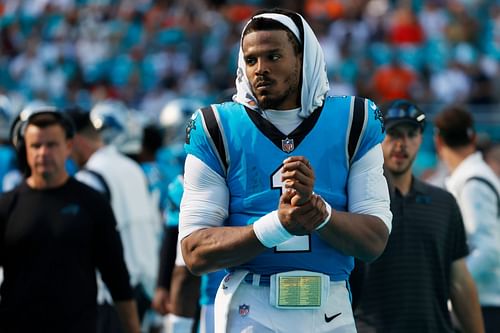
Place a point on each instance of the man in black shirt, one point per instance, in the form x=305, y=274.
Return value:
x=54, y=233
x=423, y=266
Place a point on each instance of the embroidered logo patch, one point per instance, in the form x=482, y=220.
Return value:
x=287, y=145
x=71, y=209
x=378, y=115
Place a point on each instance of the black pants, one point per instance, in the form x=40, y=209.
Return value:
x=142, y=300
x=107, y=319
x=491, y=316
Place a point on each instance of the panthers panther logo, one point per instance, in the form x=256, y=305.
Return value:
x=378, y=115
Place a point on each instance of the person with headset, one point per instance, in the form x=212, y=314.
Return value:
x=54, y=233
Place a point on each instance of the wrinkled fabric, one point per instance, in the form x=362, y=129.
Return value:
x=315, y=81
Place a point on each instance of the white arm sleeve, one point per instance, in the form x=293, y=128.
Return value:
x=179, y=259
x=205, y=200
x=206, y=196
x=367, y=188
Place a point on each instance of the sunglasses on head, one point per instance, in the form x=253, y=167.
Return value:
x=406, y=111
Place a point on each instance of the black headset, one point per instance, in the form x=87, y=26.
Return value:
x=22, y=120
x=20, y=123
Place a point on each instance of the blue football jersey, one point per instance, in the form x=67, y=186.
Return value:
x=157, y=183
x=248, y=151
x=174, y=196
x=7, y=161
x=209, y=285
x=170, y=160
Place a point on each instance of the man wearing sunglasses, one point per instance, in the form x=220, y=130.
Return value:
x=423, y=266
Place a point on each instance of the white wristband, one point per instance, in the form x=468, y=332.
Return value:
x=175, y=323
x=329, y=210
x=269, y=230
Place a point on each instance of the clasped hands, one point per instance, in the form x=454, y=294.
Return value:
x=300, y=210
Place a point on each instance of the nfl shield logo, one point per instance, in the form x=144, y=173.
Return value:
x=287, y=145
x=244, y=310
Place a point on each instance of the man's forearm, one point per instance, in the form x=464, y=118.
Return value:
x=357, y=235
x=129, y=317
x=464, y=298
x=211, y=249
x=185, y=293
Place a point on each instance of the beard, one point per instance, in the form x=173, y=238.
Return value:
x=269, y=99
x=402, y=169
x=271, y=102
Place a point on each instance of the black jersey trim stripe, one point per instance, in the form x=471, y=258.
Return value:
x=348, y=132
x=276, y=136
x=100, y=179
x=491, y=187
x=365, y=125
x=212, y=127
x=226, y=155
x=358, y=124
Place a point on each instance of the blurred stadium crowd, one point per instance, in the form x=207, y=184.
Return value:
x=82, y=51
x=137, y=63
x=146, y=53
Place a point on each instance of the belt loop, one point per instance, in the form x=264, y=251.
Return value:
x=255, y=280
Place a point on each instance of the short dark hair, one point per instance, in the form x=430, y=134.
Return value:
x=455, y=125
x=266, y=24
x=81, y=119
x=44, y=120
x=40, y=117
x=152, y=138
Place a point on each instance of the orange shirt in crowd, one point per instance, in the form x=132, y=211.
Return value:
x=393, y=82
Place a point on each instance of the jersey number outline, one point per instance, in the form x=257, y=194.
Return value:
x=296, y=243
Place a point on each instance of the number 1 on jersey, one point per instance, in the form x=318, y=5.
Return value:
x=296, y=243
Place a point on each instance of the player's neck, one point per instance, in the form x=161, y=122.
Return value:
x=402, y=182
x=284, y=120
x=456, y=156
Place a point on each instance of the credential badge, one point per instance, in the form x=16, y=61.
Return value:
x=287, y=145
